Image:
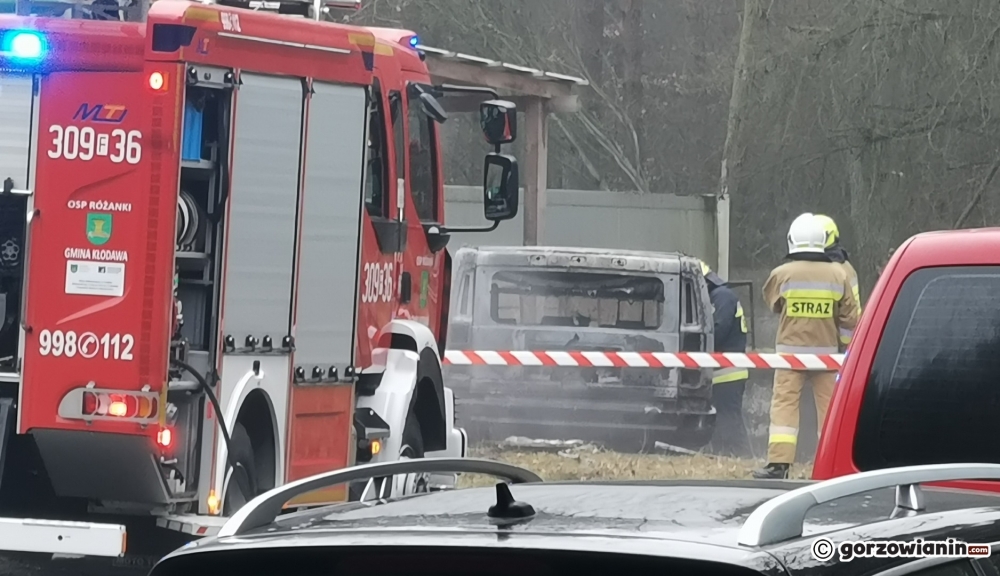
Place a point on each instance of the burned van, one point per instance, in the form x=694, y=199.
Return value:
x=578, y=300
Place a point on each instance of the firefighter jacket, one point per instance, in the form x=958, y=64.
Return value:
x=815, y=300
x=839, y=255
x=730, y=328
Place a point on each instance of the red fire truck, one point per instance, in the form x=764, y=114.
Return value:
x=222, y=265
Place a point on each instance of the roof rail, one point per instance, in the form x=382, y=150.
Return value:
x=263, y=509
x=782, y=518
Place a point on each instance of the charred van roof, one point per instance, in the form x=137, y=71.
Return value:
x=572, y=257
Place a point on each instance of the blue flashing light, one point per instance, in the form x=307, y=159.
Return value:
x=25, y=45
x=414, y=41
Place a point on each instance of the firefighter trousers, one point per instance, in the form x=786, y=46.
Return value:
x=730, y=436
x=784, y=430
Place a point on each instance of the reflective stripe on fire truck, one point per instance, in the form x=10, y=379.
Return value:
x=70, y=538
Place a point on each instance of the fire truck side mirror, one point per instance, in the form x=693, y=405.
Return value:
x=500, y=187
x=498, y=119
x=433, y=108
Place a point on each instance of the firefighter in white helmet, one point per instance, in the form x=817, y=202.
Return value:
x=838, y=254
x=815, y=299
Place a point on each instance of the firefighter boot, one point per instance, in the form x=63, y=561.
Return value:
x=772, y=472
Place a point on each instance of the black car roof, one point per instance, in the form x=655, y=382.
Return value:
x=750, y=524
x=661, y=517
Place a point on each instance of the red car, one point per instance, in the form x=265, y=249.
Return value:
x=921, y=381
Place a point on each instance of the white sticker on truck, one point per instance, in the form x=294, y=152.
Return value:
x=86, y=345
x=95, y=278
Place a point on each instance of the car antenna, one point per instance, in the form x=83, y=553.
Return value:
x=507, y=508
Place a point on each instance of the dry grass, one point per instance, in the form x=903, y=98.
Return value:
x=591, y=464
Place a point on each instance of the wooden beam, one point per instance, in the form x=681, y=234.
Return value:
x=536, y=170
x=566, y=105
x=470, y=103
x=500, y=79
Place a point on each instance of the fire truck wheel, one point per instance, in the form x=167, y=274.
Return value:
x=243, y=477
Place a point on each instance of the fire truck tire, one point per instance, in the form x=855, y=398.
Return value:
x=413, y=440
x=412, y=447
x=243, y=456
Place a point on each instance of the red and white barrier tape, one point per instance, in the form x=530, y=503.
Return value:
x=820, y=362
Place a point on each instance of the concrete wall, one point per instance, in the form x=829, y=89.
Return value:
x=659, y=222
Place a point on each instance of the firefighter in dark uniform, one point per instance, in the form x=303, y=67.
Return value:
x=728, y=384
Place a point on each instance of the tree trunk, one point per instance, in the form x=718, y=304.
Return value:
x=632, y=71
x=872, y=231
x=732, y=152
x=590, y=22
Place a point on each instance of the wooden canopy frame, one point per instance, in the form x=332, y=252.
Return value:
x=535, y=92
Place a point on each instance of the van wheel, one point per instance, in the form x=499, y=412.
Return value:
x=241, y=486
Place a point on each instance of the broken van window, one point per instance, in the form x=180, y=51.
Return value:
x=561, y=298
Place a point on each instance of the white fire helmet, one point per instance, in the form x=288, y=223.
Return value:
x=806, y=234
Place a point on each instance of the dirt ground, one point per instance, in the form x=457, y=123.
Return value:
x=589, y=463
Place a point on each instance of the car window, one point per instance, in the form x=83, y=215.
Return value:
x=993, y=561
x=956, y=568
x=937, y=362
x=690, y=303
x=465, y=296
x=426, y=560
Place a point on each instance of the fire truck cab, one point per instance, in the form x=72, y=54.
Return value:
x=222, y=264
